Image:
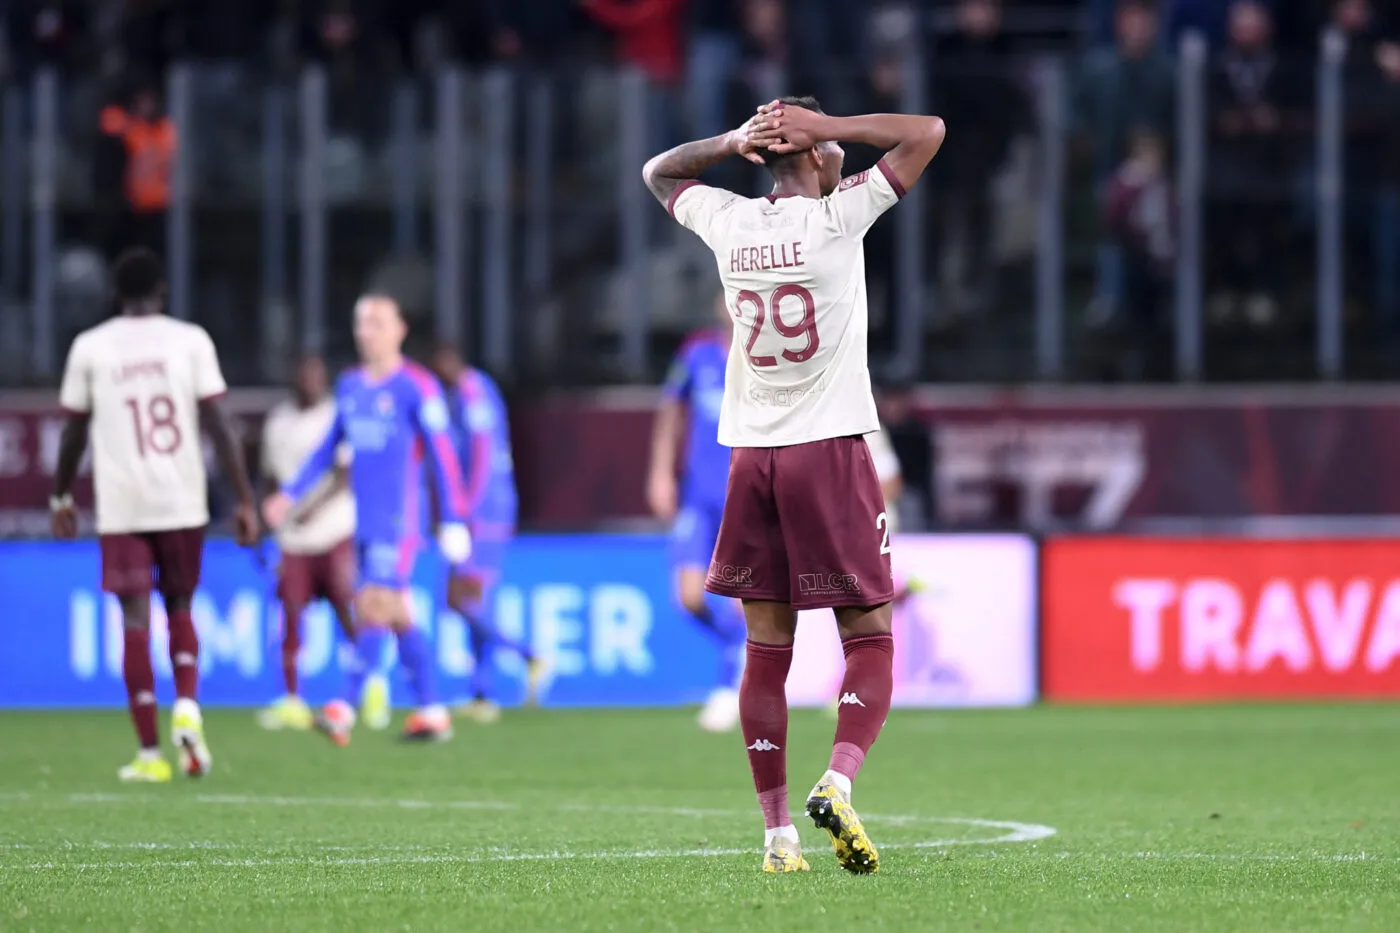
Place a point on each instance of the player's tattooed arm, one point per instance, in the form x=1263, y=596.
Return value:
x=231, y=462
x=666, y=172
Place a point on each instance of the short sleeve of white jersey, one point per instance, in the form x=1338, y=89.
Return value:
x=860, y=199
x=882, y=452
x=76, y=392
x=697, y=207
x=208, y=377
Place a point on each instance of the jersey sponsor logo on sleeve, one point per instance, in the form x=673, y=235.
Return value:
x=851, y=181
x=434, y=414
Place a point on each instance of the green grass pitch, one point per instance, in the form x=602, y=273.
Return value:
x=1239, y=819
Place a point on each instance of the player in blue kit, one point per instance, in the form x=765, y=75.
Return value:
x=391, y=413
x=690, y=407
x=481, y=429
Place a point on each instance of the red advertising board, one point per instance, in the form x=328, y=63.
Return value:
x=1144, y=619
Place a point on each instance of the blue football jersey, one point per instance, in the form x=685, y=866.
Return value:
x=390, y=426
x=696, y=380
x=481, y=429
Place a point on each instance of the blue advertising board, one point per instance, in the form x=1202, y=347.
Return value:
x=599, y=605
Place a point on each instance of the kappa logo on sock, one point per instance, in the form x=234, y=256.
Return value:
x=185, y=659
x=144, y=698
x=850, y=698
x=763, y=745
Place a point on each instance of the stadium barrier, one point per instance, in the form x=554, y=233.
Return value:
x=1043, y=457
x=1162, y=619
x=599, y=606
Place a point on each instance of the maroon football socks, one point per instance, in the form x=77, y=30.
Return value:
x=140, y=685
x=184, y=654
x=864, y=702
x=291, y=647
x=763, y=713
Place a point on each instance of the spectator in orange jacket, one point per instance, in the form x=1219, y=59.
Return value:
x=149, y=144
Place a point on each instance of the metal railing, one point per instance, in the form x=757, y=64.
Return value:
x=520, y=192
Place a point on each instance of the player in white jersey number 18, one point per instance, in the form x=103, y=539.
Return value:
x=143, y=386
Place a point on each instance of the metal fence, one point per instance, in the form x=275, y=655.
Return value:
x=504, y=208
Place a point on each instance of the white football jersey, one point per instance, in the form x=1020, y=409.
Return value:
x=793, y=270
x=142, y=379
x=289, y=435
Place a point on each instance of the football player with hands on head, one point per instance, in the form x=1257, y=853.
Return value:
x=804, y=523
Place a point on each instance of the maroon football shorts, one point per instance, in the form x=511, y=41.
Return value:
x=804, y=525
x=134, y=563
x=329, y=575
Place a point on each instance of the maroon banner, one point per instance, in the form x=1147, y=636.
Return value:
x=1090, y=459
x=1051, y=460
x=30, y=424
x=1039, y=458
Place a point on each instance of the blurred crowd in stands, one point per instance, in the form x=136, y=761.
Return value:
x=1120, y=60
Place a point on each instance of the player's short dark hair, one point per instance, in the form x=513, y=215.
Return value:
x=137, y=275
x=806, y=102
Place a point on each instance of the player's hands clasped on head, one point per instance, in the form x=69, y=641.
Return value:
x=744, y=145
x=784, y=128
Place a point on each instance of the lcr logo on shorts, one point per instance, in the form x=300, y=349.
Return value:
x=731, y=575
x=827, y=584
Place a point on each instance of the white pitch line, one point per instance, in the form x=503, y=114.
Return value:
x=1015, y=831
x=313, y=862
x=240, y=800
